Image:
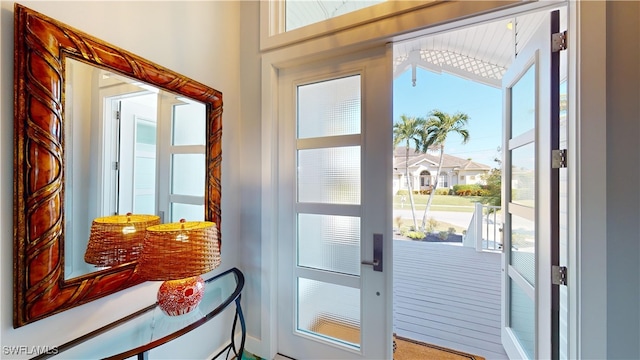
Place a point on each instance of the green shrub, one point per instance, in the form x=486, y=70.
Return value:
x=468, y=190
x=402, y=192
x=443, y=191
x=415, y=235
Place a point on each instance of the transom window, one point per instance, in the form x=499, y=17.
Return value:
x=299, y=13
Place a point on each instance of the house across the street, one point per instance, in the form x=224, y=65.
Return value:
x=423, y=170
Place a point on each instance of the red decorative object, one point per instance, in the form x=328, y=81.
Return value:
x=178, y=297
x=178, y=253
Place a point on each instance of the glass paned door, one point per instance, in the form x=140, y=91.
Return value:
x=333, y=188
x=144, y=170
x=530, y=198
x=136, y=144
x=328, y=173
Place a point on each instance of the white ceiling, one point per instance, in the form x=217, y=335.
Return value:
x=481, y=53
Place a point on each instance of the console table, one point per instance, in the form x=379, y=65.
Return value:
x=149, y=327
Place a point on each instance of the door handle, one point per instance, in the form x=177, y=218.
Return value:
x=377, y=253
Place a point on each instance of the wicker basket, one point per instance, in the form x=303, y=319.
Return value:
x=117, y=239
x=179, y=250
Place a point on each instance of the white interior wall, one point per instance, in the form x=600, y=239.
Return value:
x=623, y=180
x=199, y=39
x=250, y=250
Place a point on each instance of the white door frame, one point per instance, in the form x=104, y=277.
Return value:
x=587, y=275
x=587, y=108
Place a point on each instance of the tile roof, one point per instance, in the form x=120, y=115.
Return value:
x=429, y=159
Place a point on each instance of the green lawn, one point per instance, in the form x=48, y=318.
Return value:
x=440, y=202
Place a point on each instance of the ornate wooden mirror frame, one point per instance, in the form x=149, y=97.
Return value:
x=41, y=45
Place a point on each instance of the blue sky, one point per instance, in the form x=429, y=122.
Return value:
x=451, y=94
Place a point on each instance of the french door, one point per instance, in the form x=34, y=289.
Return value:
x=530, y=198
x=334, y=191
x=137, y=144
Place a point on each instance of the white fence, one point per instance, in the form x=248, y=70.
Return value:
x=485, y=229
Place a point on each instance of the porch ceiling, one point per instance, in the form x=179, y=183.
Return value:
x=480, y=53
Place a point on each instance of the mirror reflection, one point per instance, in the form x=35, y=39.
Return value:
x=130, y=148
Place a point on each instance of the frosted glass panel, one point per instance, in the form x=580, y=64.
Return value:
x=144, y=201
x=145, y=135
x=145, y=173
x=329, y=108
x=329, y=310
x=144, y=168
x=523, y=175
x=187, y=174
x=330, y=175
x=329, y=242
x=187, y=211
x=523, y=103
x=187, y=117
x=522, y=318
x=523, y=247
x=144, y=204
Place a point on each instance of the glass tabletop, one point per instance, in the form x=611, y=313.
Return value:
x=150, y=327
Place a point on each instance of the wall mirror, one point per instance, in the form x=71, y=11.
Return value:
x=99, y=131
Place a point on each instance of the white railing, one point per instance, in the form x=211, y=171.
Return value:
x=485, y=229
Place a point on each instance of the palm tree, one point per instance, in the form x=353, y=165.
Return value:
x=438, y=127
x=408, y=130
